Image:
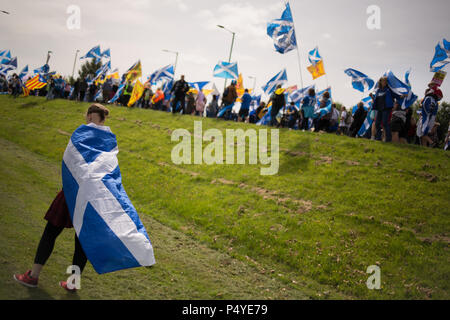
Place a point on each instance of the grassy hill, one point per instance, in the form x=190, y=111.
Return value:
x=337, y=206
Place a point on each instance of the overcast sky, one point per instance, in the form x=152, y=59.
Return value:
x=410, y=29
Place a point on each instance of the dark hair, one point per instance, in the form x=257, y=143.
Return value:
x=101, y=110
x=326, y=95
x=312, y=92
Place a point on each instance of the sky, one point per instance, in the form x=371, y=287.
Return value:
x=141, y=29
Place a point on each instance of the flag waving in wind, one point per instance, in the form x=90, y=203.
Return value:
x=134, y=72
x=93, y=53
x=280, y=78
x=401, y=89
x=226, y=70
x=165, y=73
x=106, y=222
x=441, y=56
x=359, y=80
x=282, y=32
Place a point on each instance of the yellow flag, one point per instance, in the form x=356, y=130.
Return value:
x=134, y=72
x=317, y=70
x=138, y=90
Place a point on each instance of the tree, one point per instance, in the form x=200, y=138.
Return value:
x=443, y=117
x=89, y=68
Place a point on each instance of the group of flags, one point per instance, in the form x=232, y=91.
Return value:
x=97, y=54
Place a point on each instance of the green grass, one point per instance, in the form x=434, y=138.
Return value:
x=337, y=206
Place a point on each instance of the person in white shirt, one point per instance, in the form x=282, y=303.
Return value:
x=344, y=122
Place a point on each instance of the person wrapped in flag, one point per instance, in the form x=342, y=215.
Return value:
x=108, y=231
x=428, y=114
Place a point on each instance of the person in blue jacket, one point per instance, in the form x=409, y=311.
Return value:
x=245, y=106
x=383, y=102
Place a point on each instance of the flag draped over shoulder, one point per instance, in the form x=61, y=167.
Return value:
x=279, y=78
x=226, y=70
x=137, y=92
x=107, y=224
x=282, y=32
x=441, y=56
x=360, y=81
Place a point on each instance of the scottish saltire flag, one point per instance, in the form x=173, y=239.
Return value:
x=282, y=32
x=106, y=54
x=166, y=87
x=103, y=70
x=198, y=85
x=108, y=226
x=441, y=56
x=314, y=56
x=4, y=70
x=318, y=111
x=360, y=81
x=24, y=72
x=407, y=73
x=366, y=125
x=93, y=53
x=12, y=63
x=298, y=95
x=279, y=78
x=5, y=54
x=221, y=113
x=320, y=94
x=99, y=95
x=118, y=93
x=226, y=70
x=165, y=73
x=44, y=69
x=256, y=101
x=400, y=89
x=368, y=102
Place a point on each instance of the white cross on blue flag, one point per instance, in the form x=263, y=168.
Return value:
x=165, y=73
x=360, y=81
x=280, y=78
x=282, y=32
x=226, y=70
x=108, y=226
x=441, y=56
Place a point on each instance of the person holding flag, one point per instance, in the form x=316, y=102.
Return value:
x=278, y=100
x=180, y=89
x=428, y=113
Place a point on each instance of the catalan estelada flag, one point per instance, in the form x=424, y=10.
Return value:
x=26, y=91
x=37, y=82
x=317, y=70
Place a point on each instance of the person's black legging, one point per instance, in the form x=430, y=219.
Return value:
x=47, y=243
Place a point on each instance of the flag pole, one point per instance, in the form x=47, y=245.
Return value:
x=298, y=51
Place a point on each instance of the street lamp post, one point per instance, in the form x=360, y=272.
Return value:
x=254, y=83
x=176, y=60
x=74, y=62
x=231, y=49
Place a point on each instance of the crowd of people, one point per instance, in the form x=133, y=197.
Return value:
x=385, y=121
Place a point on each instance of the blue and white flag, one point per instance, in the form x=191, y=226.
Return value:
x=221, y=113
x=407, y=73
x=441, y=56
x=368, y=102
x=24, y=72
x=314, y=56
x=99, y=95
x=5, y=54
x=12, y=63
x=106, y=54
x=198, y=85
x=279, y=78
x=360, y=81
x=103, y=70
x=118, y=93
x=107, y=224
x=256, y=101
x=44, y=69
x=367, y=125
x=282, y=32
x=400, y=89
x=226, y=70
x=298, y=95
x=93, y=53
x=266, y=119
x=322, y=111
x=165, y=73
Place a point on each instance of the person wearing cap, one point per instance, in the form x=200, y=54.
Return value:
x=429, y=110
